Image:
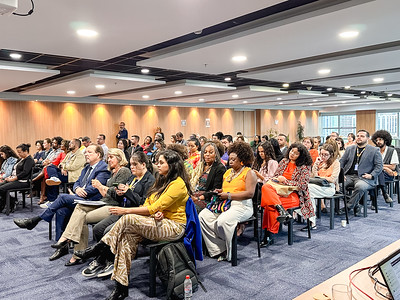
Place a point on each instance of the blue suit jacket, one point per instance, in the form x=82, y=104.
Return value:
x=193, y=239
x=100, y=173
x=370, y=162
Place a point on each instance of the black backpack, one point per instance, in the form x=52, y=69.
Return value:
x=173, y=265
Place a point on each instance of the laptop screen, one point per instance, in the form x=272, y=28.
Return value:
x=390, y=269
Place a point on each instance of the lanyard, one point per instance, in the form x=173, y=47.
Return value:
x=359, y=154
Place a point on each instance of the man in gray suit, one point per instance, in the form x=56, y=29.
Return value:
x=362, y=164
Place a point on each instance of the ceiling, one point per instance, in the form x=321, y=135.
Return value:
x=187, y=48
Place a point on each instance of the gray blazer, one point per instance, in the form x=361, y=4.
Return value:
x=370, y=162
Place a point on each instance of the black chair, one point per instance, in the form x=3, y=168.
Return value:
x=334, y=202
x=256, y=199
x=290, y=225
x=22, y=190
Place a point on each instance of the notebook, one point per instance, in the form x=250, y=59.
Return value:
x=390, y=269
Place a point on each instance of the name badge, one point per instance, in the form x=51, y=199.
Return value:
x=356, y=167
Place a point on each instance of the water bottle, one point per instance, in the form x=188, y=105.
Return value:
x=187, y=285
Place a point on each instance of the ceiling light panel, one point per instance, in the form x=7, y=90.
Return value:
x=169, y=91
x=87, y=84
x=299, y=34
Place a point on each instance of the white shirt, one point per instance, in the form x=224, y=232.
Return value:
x=395, y=157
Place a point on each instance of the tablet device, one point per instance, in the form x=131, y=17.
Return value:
x=390, y=269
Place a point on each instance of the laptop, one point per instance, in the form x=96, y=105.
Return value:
x=390, y=269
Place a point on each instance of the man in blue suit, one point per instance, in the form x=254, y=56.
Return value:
x=362, y=164
x=64, y=205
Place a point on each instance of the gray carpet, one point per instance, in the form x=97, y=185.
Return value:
x=283, y=271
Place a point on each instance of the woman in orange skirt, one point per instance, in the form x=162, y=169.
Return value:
x=293, y=170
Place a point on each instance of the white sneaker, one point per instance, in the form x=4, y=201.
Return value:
x=53, y=181
x=45, y=205
x=107, y=271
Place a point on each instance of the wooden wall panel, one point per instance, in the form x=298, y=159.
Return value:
x=366, y=119
x=28, y=121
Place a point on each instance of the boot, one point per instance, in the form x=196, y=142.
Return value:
x=267, y=240
x=100, y=248
x=284, y=217
x=27, y=223
x=119, y=292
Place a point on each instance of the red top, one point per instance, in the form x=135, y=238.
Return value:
x=289, y=170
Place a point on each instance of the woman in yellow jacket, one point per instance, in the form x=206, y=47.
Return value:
x=162, y=217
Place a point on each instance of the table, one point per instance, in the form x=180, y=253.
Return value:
x=362, y=280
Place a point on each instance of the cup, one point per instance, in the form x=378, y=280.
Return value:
x=344, y=223
x=341, y=292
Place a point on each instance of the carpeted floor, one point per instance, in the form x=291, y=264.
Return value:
x=282, y=272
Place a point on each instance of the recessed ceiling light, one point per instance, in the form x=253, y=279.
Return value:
x=239, y=58
x=227, y=79
x=368, y=103
x=348, y=34
x=329, y=89
x=285, y=85
x=310, y=104
x=87, y=33
x=178, y=92
x=324, y=71
x=315, y=100
x=145, y=71
x=347, y=87
x=280, y=103
x=235, y=96
x=343, y=102
x=363, y=92
x=245, y=102
x=145, y=96
x=278, y=98
x=389, y=95
x=71, y=92
x=15, y=56
x=100, y=86
x=378, y=79
x=201, y=99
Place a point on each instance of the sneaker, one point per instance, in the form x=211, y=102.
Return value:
x=53, y=181
x=45, y=205
x=388, y=199
x=107, y=271
x=93, y=268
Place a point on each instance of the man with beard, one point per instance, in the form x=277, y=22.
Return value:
x=382, y=139
x=362, y=164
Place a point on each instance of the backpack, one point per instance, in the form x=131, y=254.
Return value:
x=173, y=265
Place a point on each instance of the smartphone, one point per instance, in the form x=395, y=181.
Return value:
x=275, y=180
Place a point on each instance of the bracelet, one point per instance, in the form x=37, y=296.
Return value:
x=229, y=196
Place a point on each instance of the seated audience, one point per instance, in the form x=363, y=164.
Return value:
x=351, y=140
x=362, y=164
x=207, y=176
x=182, y=151
x=22, y=171
x=77, y=229
x=340, y=143
x=194, y=152
x=202, y=140
x=159, y=131
x=294, y=170
x=282, y=141
x=39, y=155
x=123, y=146
x=148, y=145
x=68, y=170
x=173, y=139
x=226, y=141
x=275, y=145
x=83, y=189
x=238, y=186
x=9, y=160
x=159, y=146
x=254, y=143
x=162, y=217
x=265, y=164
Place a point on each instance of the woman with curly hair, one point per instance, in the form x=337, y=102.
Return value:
x=294, y=170
x=238, y=186
x=265, y=164
x=9, y=160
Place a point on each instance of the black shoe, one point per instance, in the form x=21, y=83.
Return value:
x=26, y=223
x=92, y=251
x=59, y=245
x=120, y=292
x=357, y=211
x=324, y=210
x=342, y=211
x=266, y=242
x=59, y=253
x=76, y=262
x=284, y=216
x=93, y=268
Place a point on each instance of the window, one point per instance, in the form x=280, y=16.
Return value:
x=344, y=124
x=389, y=122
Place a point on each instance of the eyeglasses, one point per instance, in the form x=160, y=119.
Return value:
x=324, y=154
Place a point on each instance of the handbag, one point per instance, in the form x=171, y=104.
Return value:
x=282, y=189
x=320, y=181
x=217, y=205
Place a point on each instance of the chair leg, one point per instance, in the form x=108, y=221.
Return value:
x=318, y=207
x=332, y=214
x=397, y=188
x=31, y=196
x=309, y=228
x=7, y=203
x=257, y=236
x=234, y=248
x=391, y=188
x=290, y=229
x=50, y=230
x=345, y=209
x=365, y=204
x=152, y=271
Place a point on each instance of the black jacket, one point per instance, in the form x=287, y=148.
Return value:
x=214, y=179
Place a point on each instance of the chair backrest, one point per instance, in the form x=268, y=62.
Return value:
x=257, y=199
x=341, y=181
